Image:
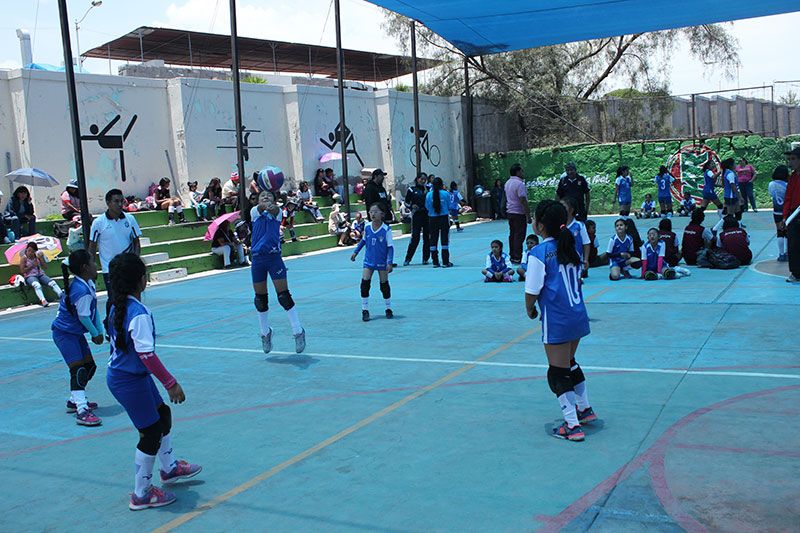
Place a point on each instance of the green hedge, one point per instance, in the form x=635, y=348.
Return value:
x=599, y=163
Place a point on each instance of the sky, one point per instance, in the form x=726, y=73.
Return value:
x=764, y=50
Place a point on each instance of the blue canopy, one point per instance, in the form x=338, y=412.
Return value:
x=491, y=26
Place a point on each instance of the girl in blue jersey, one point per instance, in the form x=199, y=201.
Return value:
x=654, y=265
x=379, y=256
x=620, y=252
x=777, y=191
x=554, y=281
x=77, y=315
x=436, y=202
x=497, y=269
x=530, y=241
x=664, y=182
x=730, y=183
x=687, y=205
x=131, y=366
x=623, y=190
x=709, y=183
x=648, y=208
x=579, y=233
x=455, y=204
x=267, y=262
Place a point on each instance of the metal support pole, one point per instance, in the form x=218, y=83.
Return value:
x=244, y=213
x=694, y=118
x=141, y=46
x=76, y=125
x=469, y=153
x=774, y=112
x=415, y=90
x=342, y=126
x=191, y=55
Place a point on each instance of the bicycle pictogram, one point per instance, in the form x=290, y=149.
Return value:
x=431, y=151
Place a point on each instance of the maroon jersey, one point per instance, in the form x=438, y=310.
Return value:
x=671, y=255
x=734, y=241
x=692, y=243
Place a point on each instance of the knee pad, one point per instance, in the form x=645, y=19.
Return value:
x=285, y=299
x=150, y=439
x=262, y=303
x=559, y=380
x=77, y=378
x=782, y=233
x=166, y=418
x=91, y=368
x=636, y=263
x=386, y=290
x=575, y=373
x=365, y=286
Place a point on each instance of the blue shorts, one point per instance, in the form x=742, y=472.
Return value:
x=372, y=266
x=137, y=394
x=665, y=199
x=710, y=196
x=73, y=348
x=271, y=264
x=454, y=213
x=624, y=201
x=731, y=201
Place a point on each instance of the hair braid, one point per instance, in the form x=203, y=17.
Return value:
x=125, y=272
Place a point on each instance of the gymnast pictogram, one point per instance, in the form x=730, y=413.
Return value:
x=111, y=142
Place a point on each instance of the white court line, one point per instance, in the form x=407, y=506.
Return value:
x=678, y=371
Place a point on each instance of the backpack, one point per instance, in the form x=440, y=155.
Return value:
x=702, y=259
x=722, y=260
x=61, y=229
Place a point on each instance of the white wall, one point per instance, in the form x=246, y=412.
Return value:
x=8, y=136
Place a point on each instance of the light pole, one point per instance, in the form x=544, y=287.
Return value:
x=95, y=3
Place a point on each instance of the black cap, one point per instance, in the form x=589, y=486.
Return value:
x=793, y=151
x=378, y=172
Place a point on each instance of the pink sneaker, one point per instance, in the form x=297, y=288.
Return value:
x=153, y=497
x=72, y=408
x=182, y=470
x=87, y=418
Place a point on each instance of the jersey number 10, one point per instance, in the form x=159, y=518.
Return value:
x=572, y=283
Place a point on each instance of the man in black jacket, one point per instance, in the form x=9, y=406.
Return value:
x=375, y=193
x=415, y=199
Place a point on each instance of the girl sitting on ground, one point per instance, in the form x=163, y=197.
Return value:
x=31, y=265
x=695, y=237
x=306, y=202
x=653, y=265
x=166, y=202
x=620, y=252
x=735, y=240
x=672, y=254
x=648, y=208
x=596, y=259
x=497, y=269
x=687, y=205
x=530, y=241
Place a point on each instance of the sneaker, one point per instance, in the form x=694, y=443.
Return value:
x=574, y=433
x=650, y=276
x=300, y=342
x=447, y=265
x=266, y=341
x=783, y=258
x=586, y=416
x=389, y=313
x=44, y=303
x=792, y=279
x=436, y=265
x=425, y=262
x=669, y=274
x=182, y=470
x=364, y=315
x=87, y=418
x=406, y=263
x=72, y=408
x=153, y=497
x=459, y=230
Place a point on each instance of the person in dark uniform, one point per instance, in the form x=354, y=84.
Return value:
x=375, y=193
x=415, y=199
x=574, y=185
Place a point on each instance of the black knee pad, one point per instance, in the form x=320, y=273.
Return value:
x=559, y=380
x=91, y=368
x=150, y=439
x=166, y=418
x=575, y=373
x=285, y=299
x=77, y=378
x=365, y=286
x=782, y=233
x=386, y=290
x=262, y=303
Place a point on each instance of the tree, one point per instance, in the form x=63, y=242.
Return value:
x=547, y=88
x=790, y=98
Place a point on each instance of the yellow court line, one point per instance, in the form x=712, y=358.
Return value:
x=183, y=519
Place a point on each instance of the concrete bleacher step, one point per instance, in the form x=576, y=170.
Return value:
x=168, y=275
x=158, y=257
x=144, y=241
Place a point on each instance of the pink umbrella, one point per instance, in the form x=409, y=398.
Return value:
x=330, y=156
x=214, y=226
x=50, y=246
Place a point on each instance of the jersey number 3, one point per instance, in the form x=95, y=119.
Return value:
x=572, y=283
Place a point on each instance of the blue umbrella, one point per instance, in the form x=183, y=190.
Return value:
x=33, y=177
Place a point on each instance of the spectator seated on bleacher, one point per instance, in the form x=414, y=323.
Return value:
x=31, y=266
x=225, y=242
x=357, y=228
x=306, y=202
x=70, y=201
x=230, y=191
x=338, y=225
x=166, y=202
x=19, y=214
x=213, y=194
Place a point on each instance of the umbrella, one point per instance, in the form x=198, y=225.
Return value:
x=33, y=177
x=214, y=226
x=50, y=246
x=330, y=156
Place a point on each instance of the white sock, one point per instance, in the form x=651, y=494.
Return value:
x=165, y=454
x=56, y=288
x=388, y=302
x=263, y=319
x=37, y=288
x=567, y=403
x=294, y=320
x=144, y=472
x=78, y=397
x=581, y=396
x=718, y=225
x=365, y=304
x=781, y=245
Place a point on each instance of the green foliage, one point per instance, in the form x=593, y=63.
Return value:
x=403, y=88
x=543, y=166
x=251, y=78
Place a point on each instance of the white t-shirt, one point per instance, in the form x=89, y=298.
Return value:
x=114, y=237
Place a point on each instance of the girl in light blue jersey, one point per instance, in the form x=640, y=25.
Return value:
x=379, y=256
x=554, y=282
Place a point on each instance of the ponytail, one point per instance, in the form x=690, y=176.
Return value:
x=125, y=272
x=438, y=185
x=74, y=264
x=553, y=216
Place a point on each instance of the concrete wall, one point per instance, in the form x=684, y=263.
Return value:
x=177, y=135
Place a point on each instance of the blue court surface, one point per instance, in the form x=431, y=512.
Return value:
x=439, y=419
